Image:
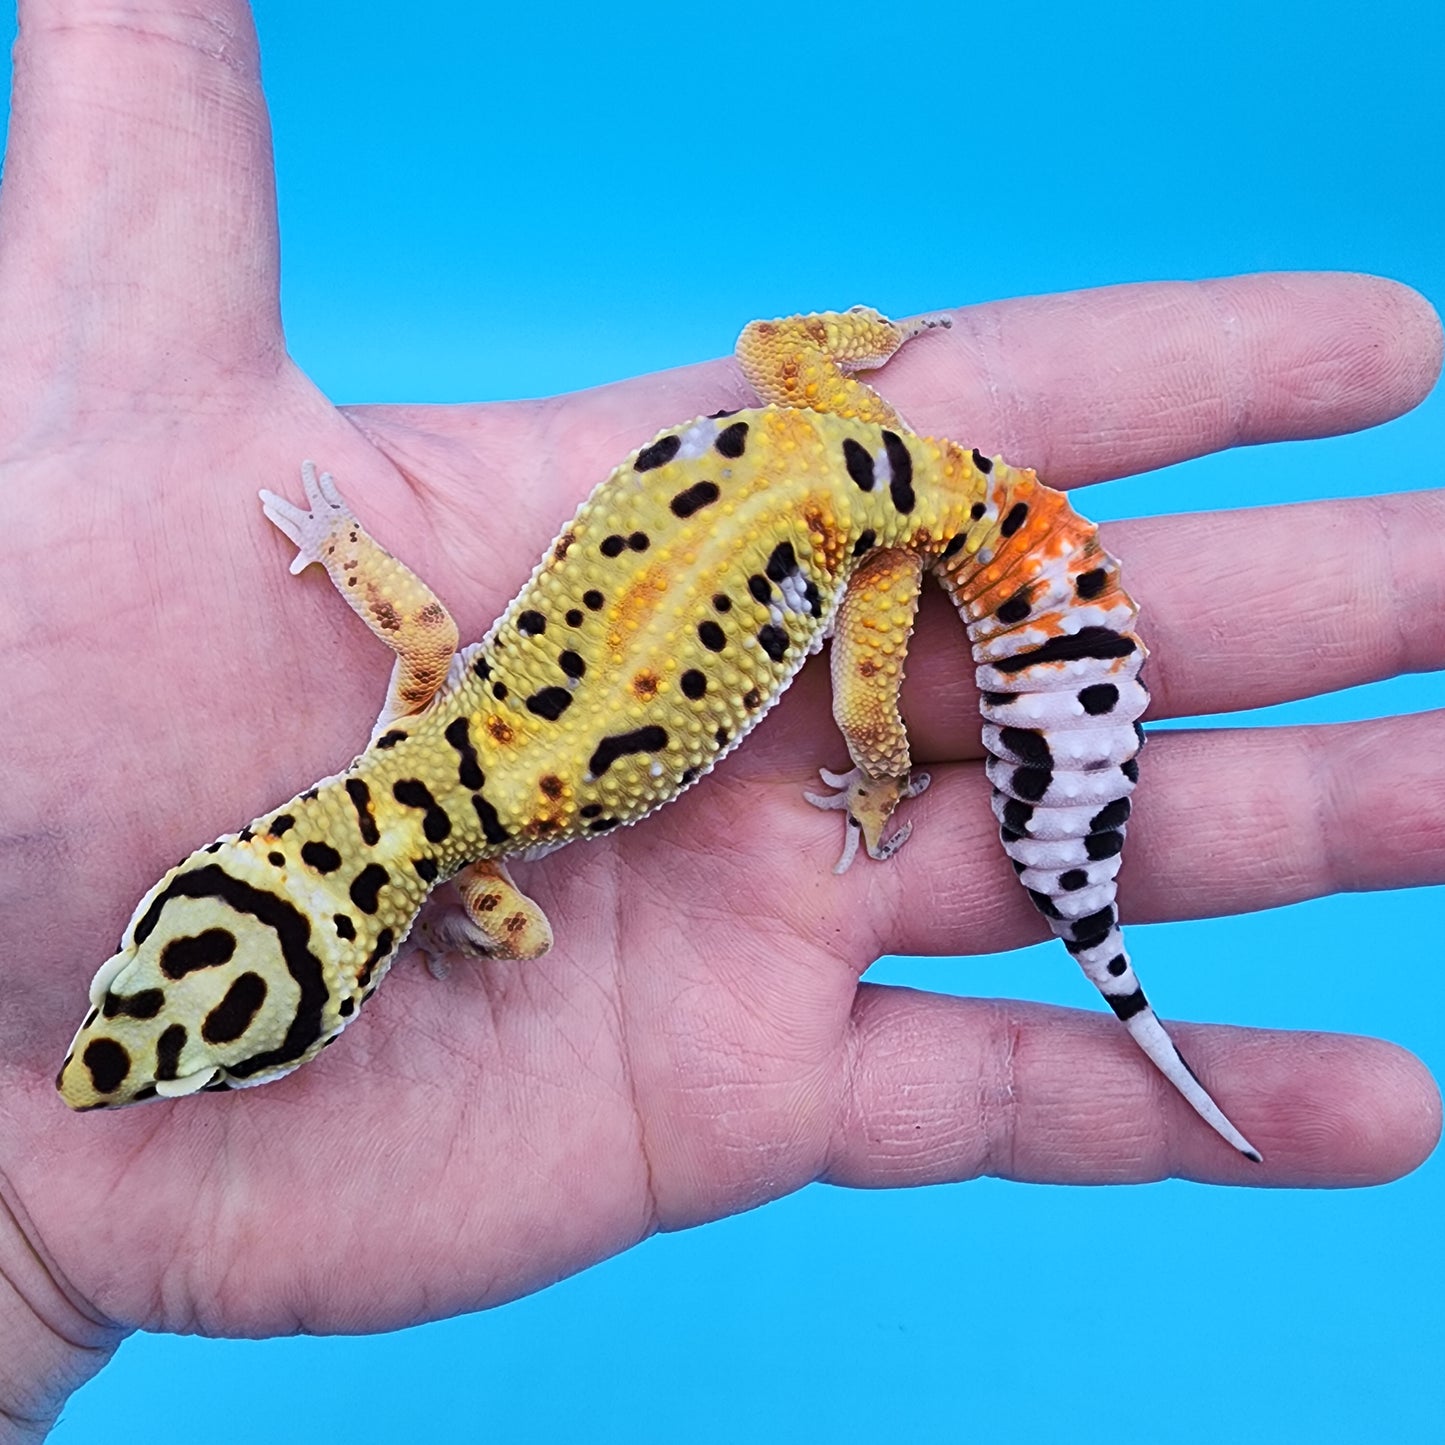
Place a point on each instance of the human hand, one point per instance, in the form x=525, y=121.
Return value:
x=698, y=1042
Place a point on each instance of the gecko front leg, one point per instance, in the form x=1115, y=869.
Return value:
x=388, y=596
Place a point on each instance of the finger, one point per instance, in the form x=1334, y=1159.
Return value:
x=943, y=1089
x=1097, y=384
x=1081, y=386
x=138, y=212
x=1231, y=820
x=1239, y=610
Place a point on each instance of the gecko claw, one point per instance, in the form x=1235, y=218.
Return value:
x=307, y=530
x=868, y=803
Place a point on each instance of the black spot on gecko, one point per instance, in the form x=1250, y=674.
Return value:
x=482, y=668
x=459, y=735
x=997, y=699
x=531, y=623
x=982, y=462
x=345, y=1008
x=813, y=598
x=1128, y=1004
x=1089, y=584
x=384, y=940
x=859, y=463
x=694, y=499
x=1017, y=815
x=773, y=640
x=213, y=847
x=345, y=928
x=689, y=775
x=1031, y=746
x=168, y=1051
x=1015, y=609
x=236, y=1012
x=413, y=793
x=366, y=887
x=487, y=816
x=143, y=1005
x=320, y=856
x=426, y=869
x=602, y=825
x=1098, y=698
x=955, y=544
x=1031, y=784
x=245, y=835
x=310, y=795
x=499, y=691
x=1110, y=816
x=720, y=737
x=1130, y=769
x=612, y=545
x=276, y=860
x=108, y=1063
x=1103, y=845
x=1118, y=965
x=760, y=589
x=693, y=683
x=360, y=796
x=976, y=512
x=1093, y=928
x=719, y=415
x=732, y=440
x=574, y=617
x=639, y=541
x=573, y=664
x=292, y=929
x=592, y=600
x=281, y=824
x=900, y=462
x=1018, y=514
x=751, y=698
x=711, y=636
x=866, y=538
x=782, y=562
x=1087, y=642
x=550, y=702
x=590, y=810
x=650, y=739
x=722, y=602
x=658, y=454
x=208, y=949
x=391, y=739
x=1073, y=880
x=1043, y=903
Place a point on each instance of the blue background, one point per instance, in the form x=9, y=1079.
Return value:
x=478, y=205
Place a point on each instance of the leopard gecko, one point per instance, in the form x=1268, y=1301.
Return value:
x=653, y=636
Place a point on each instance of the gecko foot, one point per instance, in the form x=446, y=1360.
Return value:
x=308, y=530
x=868, y=803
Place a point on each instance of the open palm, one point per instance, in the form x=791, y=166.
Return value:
x=698, y=1041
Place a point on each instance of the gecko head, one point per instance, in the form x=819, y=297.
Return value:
x=215, y=986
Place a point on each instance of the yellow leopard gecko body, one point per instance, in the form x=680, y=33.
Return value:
x=655, y=633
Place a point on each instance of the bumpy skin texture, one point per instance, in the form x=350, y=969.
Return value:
x=661, y=625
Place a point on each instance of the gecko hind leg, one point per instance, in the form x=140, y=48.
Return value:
x=870, y=641
x=398, y=607
x=495, y=920
x=869, y=803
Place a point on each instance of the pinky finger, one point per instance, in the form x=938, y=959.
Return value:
x=943, y=1089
